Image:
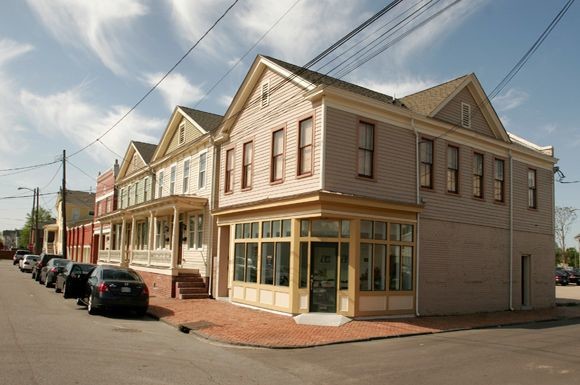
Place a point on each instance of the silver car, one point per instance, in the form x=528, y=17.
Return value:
x=27, y=262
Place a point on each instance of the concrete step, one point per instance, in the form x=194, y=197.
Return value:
x=192, y=290
x=191, y=278
x=193, y=296
x=189, y=284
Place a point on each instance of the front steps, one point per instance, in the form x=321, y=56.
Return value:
x=190, y=286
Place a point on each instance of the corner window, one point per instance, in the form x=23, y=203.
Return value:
x=186, y=176
x=248, y=156
x=305, y=147
x=532, y=192
x=452, y=169
x=426, y=166
x=201, y=174
x=366, y=147
x=229, y=177
x=277, y=168
x=498, y=180
x=478, y=175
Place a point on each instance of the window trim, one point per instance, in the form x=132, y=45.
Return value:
x=369, y=122
x=481, y=177
x=247, y=185
x=455, y=171
x=229, y=173
x=282, y=155
x=299, y=172
x=431, y=186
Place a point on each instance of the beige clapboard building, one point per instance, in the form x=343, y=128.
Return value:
x=335, y=198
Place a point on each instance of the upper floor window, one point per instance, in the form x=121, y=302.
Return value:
x=130, y=194
x=247, y=165
x=498, y=180
x=172, y=175
x=136, y=192
x=201, y=174
x=181, y=133
x=465, y=115
x=452, y=169
x=229, y=182
x=478, y=175
x=265, y=94
x=277, y=170
x=186, y=176
x=305, y=147
x=160, y=184
x=426, y=166
x=532, y=192
x=366, y=147
x=146, y=189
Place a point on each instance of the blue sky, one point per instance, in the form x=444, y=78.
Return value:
x=69, y=69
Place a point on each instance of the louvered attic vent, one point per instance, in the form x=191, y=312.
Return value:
x=182, y=133
x=465, y=115
x=265, y=94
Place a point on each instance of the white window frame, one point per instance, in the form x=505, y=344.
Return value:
x=172, y=178
x=195, y=231
x=160, y=183
x=185, y=182
x=201, y=175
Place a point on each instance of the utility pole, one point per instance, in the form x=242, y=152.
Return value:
x=33, y=222
x=63, y=203
x=36, y=237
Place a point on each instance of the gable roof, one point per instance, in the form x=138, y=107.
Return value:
x=426, y=101
x=207, y=120
x=144, y=150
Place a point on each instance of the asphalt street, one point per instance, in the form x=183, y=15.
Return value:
x=45, y=339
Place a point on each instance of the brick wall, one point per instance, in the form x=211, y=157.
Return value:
x=159, y=285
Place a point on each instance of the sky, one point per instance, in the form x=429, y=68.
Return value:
x=70, y=69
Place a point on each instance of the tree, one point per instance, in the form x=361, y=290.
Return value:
x=572, y=256
x=44, y=217
x=564, y=218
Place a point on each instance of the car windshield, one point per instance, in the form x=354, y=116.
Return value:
x=59, y=262
x=120, y=275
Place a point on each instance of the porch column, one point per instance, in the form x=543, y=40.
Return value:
x=132, y=244
x=123, y=240
x=175, y=235
x=101, y=243
x=150, y=237
x=111, y=233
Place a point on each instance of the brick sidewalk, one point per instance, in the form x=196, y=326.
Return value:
x=232, y=324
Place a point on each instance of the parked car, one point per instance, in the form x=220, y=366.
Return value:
x=71, y=276
x=561, y=277
x=18, y=254
x=27, y=262
x=49, y=272
x=573, y=276
x=113, y=287
x=44, y=258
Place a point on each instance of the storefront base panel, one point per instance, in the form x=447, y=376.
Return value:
x=262, y=298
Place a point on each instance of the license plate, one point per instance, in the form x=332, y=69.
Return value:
x=125, y=290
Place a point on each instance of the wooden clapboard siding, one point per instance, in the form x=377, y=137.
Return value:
x=191, y=133
x=538, y=220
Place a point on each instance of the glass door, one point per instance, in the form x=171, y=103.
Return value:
x=323, y=276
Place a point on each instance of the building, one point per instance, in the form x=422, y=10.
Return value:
x=163, y=226
x=335, y=198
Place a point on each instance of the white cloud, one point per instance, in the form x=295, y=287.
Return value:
x=511, y=99
x=100, y=26
x=175, y=89
x=399, y=87
x=69, y=115
x=226, y=100
x=10, y=49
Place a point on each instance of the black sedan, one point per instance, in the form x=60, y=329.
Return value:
x=71, y=276
x=113, y=287
x=561, y=277
x=49, y=272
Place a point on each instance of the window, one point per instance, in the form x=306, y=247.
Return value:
x=172, y=175
x=426, y=159
x=247, y=165
x=452, y=169
x=182, y=133
x=365, y=149
x=246, y=262
x=265, y=97
x=186, y=176
x=124, y=197
x=465, y=115
x=303, y=273
x=199, y=231
x=305, y=147
x=498, y=181
x=160, y=184
x=142, y=235
x=478, y=175
x=162, y=232
x=146, y=188
x=275, y=264
x=130, y=194
x=136, y=192
x=532, y=192
x=277, y=156
x=229, y=182
x=195, y=233
x=201, y=175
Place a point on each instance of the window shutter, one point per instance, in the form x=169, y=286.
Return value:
x=465, y=115
x=265, y=94
x=181, y=133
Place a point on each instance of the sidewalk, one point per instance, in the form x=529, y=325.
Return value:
x=227, y=323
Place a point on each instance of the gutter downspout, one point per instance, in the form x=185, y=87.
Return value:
x=418, y=201
x=511, y=224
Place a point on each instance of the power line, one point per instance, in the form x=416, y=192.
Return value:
x=82, y=171
x=29, y=167
x=158, y=82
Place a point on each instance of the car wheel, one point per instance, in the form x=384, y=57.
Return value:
x=64, y=293
x=56, y=288
x=47, y=282
x=141, y=312
x=90, y=307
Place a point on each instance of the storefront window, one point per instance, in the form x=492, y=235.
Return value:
x=407, y=233
x=304, y=227
x=239, y=231
x=267, y=271
x=276, y=229
x=394, y=268
x=252, y=262
x=247, y=228
x=366, y=229
x=380, y=231
x=282, y=264
x=255, y=230
x=345, y=229
x=379, y=268
x=240, y=261
x=303, y=265
x=395, y=232
x=365, y=266
x=407, y=268
x=286, y=228
x=325, y=228
x=344, y=253
x=266, y=229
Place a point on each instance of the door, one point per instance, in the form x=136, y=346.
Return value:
x=526, y=280
x=76, y=282
x=323, y=276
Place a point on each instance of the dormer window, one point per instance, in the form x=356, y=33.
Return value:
x=182, y=133
x=265, y=98
x=465, y=115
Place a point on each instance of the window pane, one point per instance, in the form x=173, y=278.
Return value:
x=306, y=132
x=304, y=227
x=276, y=229
x=282, y=264
x=395, y=268
x=252, y=262
x=239, y=232
x=407, y=233
x=286, y=228
x=191, y=234
x=199, y=241
x=255, y=230
x=366, y=229
x=452, y=158
x=325, y=228
x=380, y=230
x=247, y=232
x=278, y=145
x=306, y=160
x=266, y=229
x=365, y=266
x=303, y=265
x=240, y=259
x=407, y=268
x=345, y=229
x=379, y=267
x=344, y=253
x=267, y=270
x=395, y=232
